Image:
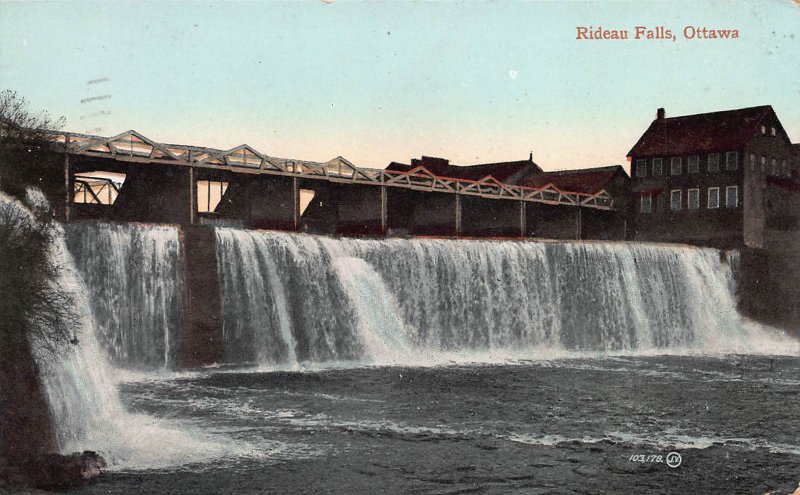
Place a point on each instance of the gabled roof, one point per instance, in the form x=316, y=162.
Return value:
x=586, y=180
x=701, y=133
x=508, y=172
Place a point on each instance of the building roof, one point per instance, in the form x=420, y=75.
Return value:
x=701, y=133
x=586, y=180
x=796, y=148
x=508, y=172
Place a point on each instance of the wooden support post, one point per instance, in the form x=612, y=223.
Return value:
x=192, y=196
x=579, y=230
x=458, y=215
x=295, y=203
x=384, y=211
x=522, y=220
x=67, y=181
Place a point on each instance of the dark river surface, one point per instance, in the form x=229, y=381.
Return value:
x=593, y=425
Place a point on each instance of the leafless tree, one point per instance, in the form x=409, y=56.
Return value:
x=32, y=305
x=22, y=127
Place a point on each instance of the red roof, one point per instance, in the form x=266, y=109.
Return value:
x=702, y=133
x=509, y=172
x=587, y=180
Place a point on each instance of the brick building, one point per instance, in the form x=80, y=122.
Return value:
x=719, y=179
x=509, y=172
x=545, y=221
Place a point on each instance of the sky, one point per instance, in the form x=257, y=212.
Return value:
x=377, y=82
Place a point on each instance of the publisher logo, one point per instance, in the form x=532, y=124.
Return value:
x=674, y=459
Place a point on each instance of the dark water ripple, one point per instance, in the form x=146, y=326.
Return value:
x=552, y=427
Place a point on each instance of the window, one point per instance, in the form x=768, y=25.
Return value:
x=641, y=168
x=752, y=162
x=713, y=198
x=675, y=166
x=774, y=167
x=731, y=197
x=763, y=129
x=763, y=164
x=713, y=162
x=785, y=168
x=658, y=167
x=209, y=195
x=693, y=164
x=693, y=199
x=98, y=187
x=772, y=131
x=646, y=203
x=675, y=199
x=731, y=160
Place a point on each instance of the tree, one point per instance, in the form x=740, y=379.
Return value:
x=37, y=315
x=22, y=128
x=32, y=305
x=29, y=151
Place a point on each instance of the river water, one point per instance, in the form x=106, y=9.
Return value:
x=427, y=366
x=559, y=426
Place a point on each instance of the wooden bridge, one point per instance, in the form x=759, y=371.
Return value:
x=161, y=183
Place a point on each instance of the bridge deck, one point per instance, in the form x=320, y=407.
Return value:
x=130, y=146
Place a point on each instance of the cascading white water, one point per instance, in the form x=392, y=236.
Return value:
x=133, y=275
x=516, y=298
x=376, y=310
x=83, y=399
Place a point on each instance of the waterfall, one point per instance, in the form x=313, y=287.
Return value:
x=377, y=317
x=333, y=300
x=82, y=396
x=132, y=274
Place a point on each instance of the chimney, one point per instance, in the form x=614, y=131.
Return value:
x=660, y=114
x=530, y=157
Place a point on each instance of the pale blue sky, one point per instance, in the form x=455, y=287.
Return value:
x=376, y=82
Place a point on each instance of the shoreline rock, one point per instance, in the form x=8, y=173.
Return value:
x=57, y=471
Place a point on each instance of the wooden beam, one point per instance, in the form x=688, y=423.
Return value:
x=296, y=203
x=192, y=196
x=384, y=210
x=88, y=187
x=458, y=215
x=68, y=185
x=522, y=220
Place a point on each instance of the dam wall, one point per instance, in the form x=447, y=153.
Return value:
x=769, y=281
x=278, y=299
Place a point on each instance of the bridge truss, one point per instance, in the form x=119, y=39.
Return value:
x=131, y=146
